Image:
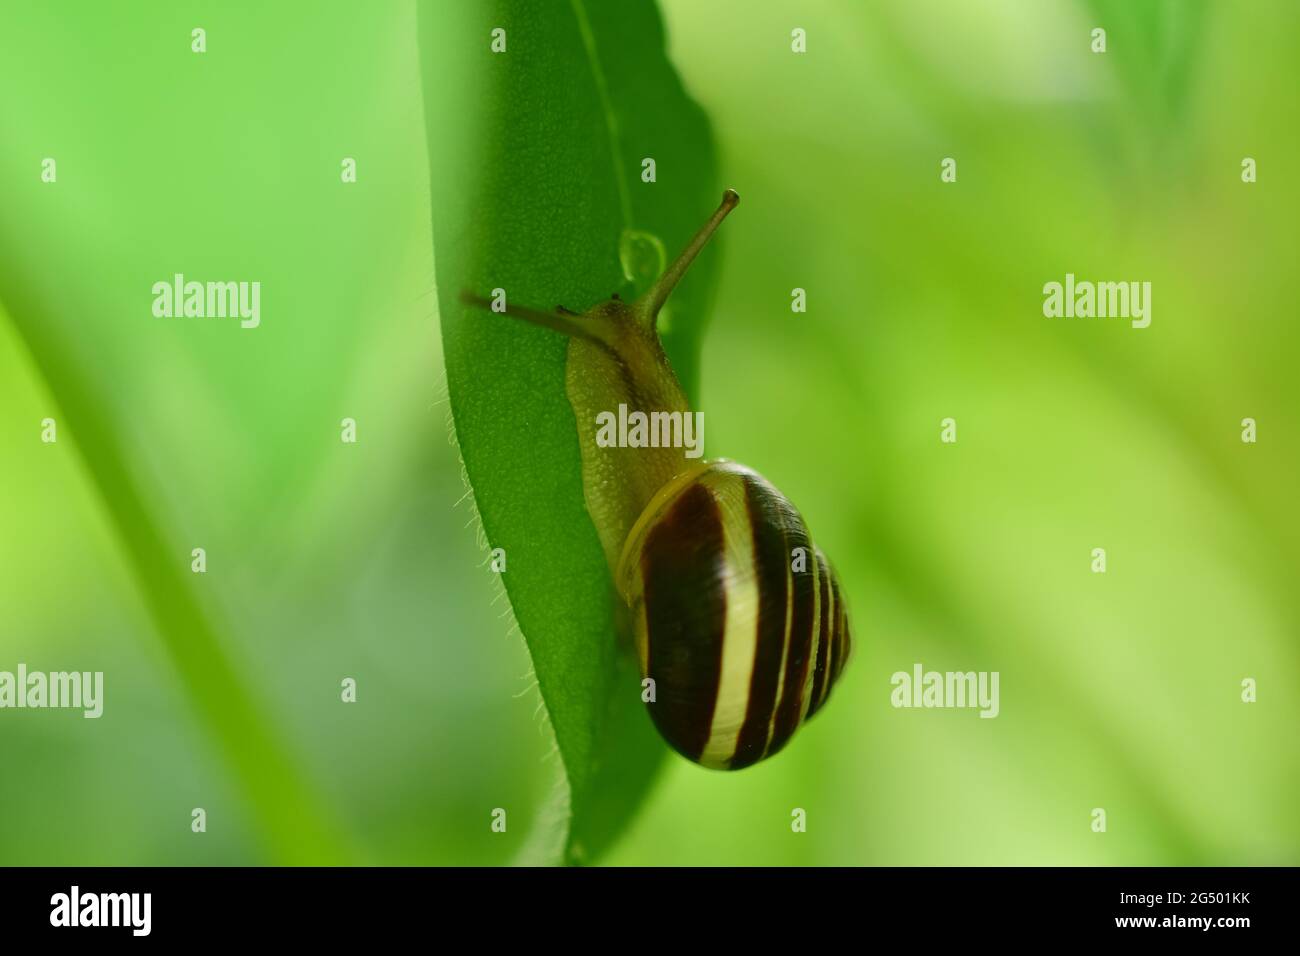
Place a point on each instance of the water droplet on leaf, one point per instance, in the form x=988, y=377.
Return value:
x=642, y=256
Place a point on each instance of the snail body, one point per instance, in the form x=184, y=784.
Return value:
x=736, y=617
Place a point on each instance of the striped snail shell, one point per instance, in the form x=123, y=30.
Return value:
x=741, y=646
x=741, y=636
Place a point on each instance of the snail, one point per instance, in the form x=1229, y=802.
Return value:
x=736, y=616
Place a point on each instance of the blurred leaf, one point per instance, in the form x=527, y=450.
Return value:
x=1153, y=46
x=292, y=823
x=183, y=425
x=536, y=157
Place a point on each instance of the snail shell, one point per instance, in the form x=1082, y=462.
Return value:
x=741, y=646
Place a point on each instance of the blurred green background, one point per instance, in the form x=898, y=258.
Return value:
x=328, y=560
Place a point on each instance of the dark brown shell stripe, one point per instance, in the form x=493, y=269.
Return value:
x=685, y=620
x=840, y=646
x=801, y=647
x=826, y=627
x=725, y=614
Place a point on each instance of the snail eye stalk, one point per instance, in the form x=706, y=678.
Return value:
x=653, y=300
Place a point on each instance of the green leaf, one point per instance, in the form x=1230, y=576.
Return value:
x=536, y=183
